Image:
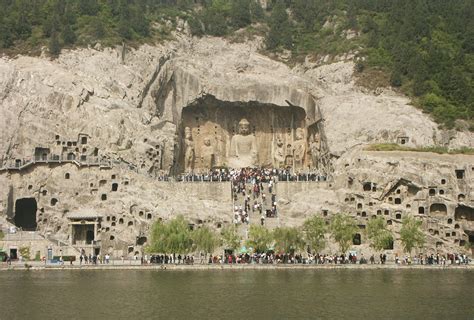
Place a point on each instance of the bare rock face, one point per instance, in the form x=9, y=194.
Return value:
x=93, y=130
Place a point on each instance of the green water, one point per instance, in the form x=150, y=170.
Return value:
x=228, y=294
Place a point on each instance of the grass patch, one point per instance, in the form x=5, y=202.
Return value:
x=434, y=149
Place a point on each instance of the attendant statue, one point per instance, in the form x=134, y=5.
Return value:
x=289, y=156
x=207, y=154
x=243, y=147
x=188, y=150
x=315, y=149
x=299, y=149
x=279, y=154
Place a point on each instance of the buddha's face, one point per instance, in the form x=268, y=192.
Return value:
x=207, y=142
x=244, y=128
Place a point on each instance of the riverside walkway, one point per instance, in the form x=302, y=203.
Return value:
x=136, y=265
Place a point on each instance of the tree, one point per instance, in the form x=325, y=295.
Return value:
x=280, y=28
x=343, y=229
x=411, y=235
x=256, y=10
x=205, y=240
x=378, y=233
x=240, y=13
x=171, y=237
x=259, y=238
x=288, y=239
x=68, y=35
x=230, y=237
x=54, y=46
x=314, y=230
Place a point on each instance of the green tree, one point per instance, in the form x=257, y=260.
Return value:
x=259, y=238
x=288, y=239
x=343, y=229
x=411, y=234
x=279, y=34
x=25, y=253
x=256, y=11
x=54, y=46
x=171, y=237
x=205, y=240
x=68, y=35
x=230, y=237
x=240, y=13
x=380, y=237
x=314, y=231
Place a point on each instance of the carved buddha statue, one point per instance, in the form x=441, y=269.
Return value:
x=243, y=147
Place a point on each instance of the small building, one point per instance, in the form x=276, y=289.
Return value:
x=83, y=226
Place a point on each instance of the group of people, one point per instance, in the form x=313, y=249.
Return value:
x=171, y=259
x=249, y=194
x=225, y=175
x=438, y=259
x=93, y=259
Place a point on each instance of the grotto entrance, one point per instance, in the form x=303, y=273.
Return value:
x=83, y=234
x=25, y=214
x=83, y=227
x=216, y=134
x=464, y=212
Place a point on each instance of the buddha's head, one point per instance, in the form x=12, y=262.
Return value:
x=244, y=127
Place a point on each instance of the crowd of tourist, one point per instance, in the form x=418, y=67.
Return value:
x=225, y=174
x=249, y=194
x=439, y=259
x=92, y=259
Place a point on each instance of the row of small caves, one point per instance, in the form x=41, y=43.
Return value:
x=28, y=216
x=394, y=204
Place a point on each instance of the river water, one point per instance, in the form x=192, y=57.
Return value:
x=237, y=294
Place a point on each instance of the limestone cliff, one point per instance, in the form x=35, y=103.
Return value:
x=115, y=116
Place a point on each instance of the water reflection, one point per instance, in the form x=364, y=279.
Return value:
x=233, y=294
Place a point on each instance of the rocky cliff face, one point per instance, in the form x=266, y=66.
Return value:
x=113, y=117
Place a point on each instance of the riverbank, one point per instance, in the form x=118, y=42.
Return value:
x=196, y=267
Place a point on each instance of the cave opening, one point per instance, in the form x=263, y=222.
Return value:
x=464, y=212
x=217, y=134
x=25, y=214
x=438, y=209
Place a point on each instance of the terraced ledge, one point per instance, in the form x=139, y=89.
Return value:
x=433, y=149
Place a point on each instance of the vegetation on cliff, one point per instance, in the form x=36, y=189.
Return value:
x=424, y=47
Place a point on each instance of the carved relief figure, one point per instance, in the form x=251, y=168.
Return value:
x=243, y=147
x=315, y=149
x=207, y=154
x=289, y=156
x=299, y=149
x=279, y=153
x=189, y=150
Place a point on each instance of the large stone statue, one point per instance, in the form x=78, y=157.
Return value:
x=315, y=149
x=279, y=153
x=243, y=147
x=188, y=150
x=299, y=149
x=207, y=154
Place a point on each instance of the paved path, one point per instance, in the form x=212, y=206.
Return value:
x=135, y=265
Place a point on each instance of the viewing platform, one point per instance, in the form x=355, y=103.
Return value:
x=22, y=164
